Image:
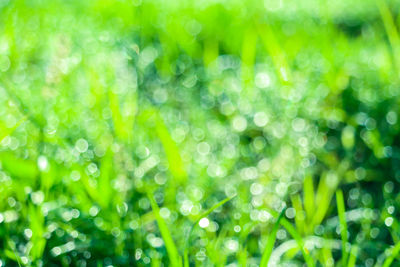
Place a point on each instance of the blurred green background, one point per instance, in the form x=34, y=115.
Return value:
x=124, y=124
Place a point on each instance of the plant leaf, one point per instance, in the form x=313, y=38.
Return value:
x=165, y=233
x=343, y=224
x=271, y=241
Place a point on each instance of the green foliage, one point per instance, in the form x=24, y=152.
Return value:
x=173, y=254
x=343, y=224
x=270, y=241
x=127, y=126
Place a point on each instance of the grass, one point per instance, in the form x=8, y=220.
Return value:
x=172, y=251
x=269, y=246
x=353, y=256
x=126, y=128
x=343, y=225
x=392, y=256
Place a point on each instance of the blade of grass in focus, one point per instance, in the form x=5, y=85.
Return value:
x=207, y=212
x=343, y=224
x=172, y=251
x=296, y=235
x=271, y=241
x=203, y=215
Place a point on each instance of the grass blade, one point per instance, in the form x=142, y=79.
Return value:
x=343, y=224
x=185, y=259
x=325, y=192
x=391, y=258
x=9, y=89
x=390, y=28
x=174, y=158
x=248, y=58
x=155, y=262
x=242, y=257
x=295, y=234
x=270, y=242
x=274, y=49
x=165, y=233
x=205, y=214
x=299, y=218
x=172, y=153
x=353, y=256
x=309, y=196
x=12, y=254
x=8, y=131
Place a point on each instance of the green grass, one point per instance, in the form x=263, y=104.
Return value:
x=343, y=224
x=392, y=256
x=173, y=254
x=352, y=257
x=126, y=128
x=269, y=246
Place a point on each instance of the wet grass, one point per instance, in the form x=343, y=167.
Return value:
x=199, y=133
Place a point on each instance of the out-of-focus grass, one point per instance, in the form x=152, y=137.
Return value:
x=172, y=251
x=124, y=123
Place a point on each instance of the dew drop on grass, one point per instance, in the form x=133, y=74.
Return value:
x=165, y=212
x=37, y=197
x=81, y=145
x=232, y=245
x=56, y=251
x=93, y=211
x=28, y=233
x=256, y=189
x=204, y=222
x=239, y=123
x=290, y=213
x=42, y=163
x=203, y=148
x=389, y=221
x=24, y=260
x=391, y=117
x=262, y=80
x=260, y=119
